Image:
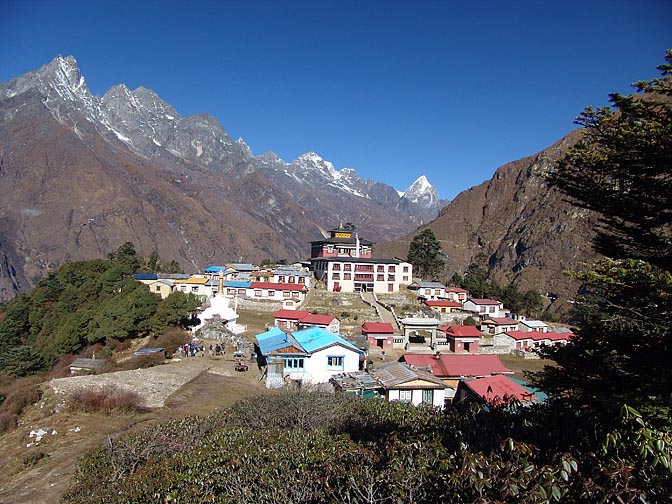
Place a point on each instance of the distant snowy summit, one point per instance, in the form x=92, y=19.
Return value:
x=423, y=194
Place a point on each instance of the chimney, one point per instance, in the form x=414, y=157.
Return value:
x=356, y=244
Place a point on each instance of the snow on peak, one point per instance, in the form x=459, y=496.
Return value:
x=421, y=184
x=315, y=160
x=422, y=193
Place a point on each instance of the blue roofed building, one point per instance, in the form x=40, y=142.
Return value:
x=310, y=356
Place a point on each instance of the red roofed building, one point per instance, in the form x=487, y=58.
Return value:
x=457, y=294
x=526, y=341
x=494, y=391
x=461, y=339
x=289, y=319
x=378, y=334
x=453, y=368
x=277, y=291
x=443, y=305
x=327, y=322
x=294, y=320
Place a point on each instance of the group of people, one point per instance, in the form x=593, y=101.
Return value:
x=197, y=348
x=192, y=349
x=217, y=350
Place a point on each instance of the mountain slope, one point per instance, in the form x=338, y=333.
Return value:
x=529, y=232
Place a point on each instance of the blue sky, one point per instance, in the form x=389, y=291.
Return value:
x=393, y=89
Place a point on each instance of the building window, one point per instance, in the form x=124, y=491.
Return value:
x=271, y=293
x=405, y=269
x=492, y=309
x=335, y=362
x=390, y=278
x=405, y=395
x=336, y=276
x=347, y=267
x=405, y=279
x=242, y=292
x=330, y=248
x=294, y=364
x=347, y=276
x=380, y=267
x=380, y=278
x=281, y=279
x=183, y=288
x=286, y=294
x=428, y=397
x=257, y=292
x=337, y=266
x=194, y=288
x=391, y=268
x=158, y=288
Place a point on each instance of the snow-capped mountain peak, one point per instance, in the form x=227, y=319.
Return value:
x=422, y=193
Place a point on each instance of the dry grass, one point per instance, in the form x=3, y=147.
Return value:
x=518, y=365
x=256, y=321
x=19, y=394
x=107, y=400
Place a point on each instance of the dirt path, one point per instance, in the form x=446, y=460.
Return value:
x=193, y=386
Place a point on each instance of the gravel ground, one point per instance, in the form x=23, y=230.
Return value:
x=153, y=385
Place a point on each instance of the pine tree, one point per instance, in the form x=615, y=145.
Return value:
x=424, y=254
x=622, y=170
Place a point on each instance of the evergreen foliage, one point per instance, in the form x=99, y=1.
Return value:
x=83, y=303
x=476, y=281
x=310, y=447
x=424, y=253
x=623, y=170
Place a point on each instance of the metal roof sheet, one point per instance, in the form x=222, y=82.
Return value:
x=315, y=338
x=458, y=365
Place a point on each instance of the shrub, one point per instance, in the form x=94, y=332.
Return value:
x=32, y=458
x=171, y=339
x=302, y=409
x=20, y=394
x=109, y=399
x=119, y=346
x=8, y=421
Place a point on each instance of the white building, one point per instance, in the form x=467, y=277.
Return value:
x=404, y=383
x=311, y=355
x=485, y=308
x=532, y=326
x=347, y=274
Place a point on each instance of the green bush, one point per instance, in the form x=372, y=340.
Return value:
x=298, y=446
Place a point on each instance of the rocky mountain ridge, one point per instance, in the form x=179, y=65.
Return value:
x=82, y=174
x=153, y=129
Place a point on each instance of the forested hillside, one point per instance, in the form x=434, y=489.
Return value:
x=86, y=303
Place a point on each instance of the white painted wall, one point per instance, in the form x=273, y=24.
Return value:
x=316, y=369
